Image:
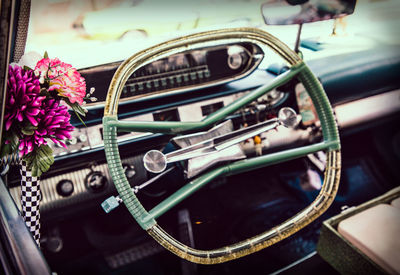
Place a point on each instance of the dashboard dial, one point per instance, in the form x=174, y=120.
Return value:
x=96, y=181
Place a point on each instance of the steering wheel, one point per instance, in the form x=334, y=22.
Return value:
x=147, y=219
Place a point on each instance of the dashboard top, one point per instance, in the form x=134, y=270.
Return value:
x=345, y=77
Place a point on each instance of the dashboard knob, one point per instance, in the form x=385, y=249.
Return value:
x=235, y=58
x=288, y=117
x=72, y=141
x=95, y=181
x=65, y=188
x=54, y=244
x=82, y=138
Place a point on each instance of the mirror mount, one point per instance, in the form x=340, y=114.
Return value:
x=297, y=44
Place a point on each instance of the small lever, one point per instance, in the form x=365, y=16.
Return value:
x=113, y=202
x=156, y=162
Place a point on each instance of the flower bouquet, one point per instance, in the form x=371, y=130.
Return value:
x=40, y=93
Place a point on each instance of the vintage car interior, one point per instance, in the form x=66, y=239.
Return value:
x=212, y=148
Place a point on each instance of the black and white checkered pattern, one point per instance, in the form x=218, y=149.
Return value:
x=30, y=199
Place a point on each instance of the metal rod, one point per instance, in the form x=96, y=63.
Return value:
x=221, y=142
x=113, y=202
x=153, y=179
x=297, y=44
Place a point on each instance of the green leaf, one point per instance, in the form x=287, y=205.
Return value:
x=5, y=150
x=78, y=108
x=12, y=137
x=26, y=68
x=14, y=142
x=39, y=160
x=12, y=146
x=30, y=126
x=29, y=160
x=27, y=131
x=74, y=106
x=79, y=117
x=46, y=55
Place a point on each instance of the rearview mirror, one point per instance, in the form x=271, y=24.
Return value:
x=287, y=12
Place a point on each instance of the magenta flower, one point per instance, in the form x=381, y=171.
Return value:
x=23, y=101
x=63, y=78
x=53, y=124
x=33, y=112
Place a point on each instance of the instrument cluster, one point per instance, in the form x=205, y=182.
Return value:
x=194, y=69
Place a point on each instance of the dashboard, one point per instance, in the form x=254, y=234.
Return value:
x=197, y=71
x=192, y=85
x=364, y=91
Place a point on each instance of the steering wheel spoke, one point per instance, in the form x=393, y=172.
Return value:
x=278, y=157
x=147, y=219
x=232, y=169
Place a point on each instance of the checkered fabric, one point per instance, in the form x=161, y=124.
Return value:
x=30, y=199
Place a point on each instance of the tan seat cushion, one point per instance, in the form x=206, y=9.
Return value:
x=396, y=203
x=376, y=232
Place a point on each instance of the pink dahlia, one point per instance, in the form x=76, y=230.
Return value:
x=23, y=101
x=63, y=78
x=53, y=124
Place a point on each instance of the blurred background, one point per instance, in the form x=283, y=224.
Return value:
x=87, y=33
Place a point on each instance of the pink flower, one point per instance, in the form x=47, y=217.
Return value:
x=53, y=124
x=63, y=78
x=23, y=97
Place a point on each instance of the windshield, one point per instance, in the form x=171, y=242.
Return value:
x=103, y=31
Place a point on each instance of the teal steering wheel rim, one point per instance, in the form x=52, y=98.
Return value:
x=147, y=219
